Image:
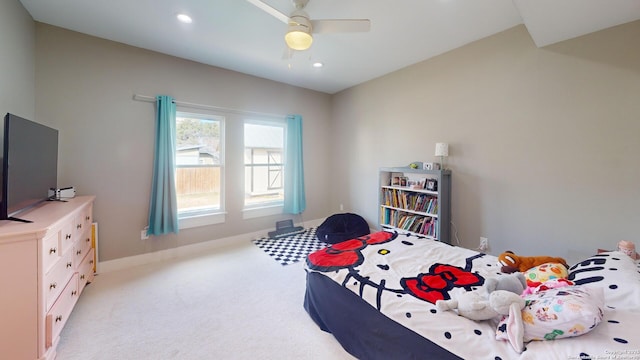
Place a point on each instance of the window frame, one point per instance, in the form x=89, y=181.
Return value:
x=206, y=216
x=280, y=171
x=271, y=207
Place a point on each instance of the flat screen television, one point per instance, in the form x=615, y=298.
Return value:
x=29, y=165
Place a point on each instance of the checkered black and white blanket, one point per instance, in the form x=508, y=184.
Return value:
x=291, y=249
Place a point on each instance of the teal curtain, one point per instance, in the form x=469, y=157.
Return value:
x=294, y=196
x=163, y=208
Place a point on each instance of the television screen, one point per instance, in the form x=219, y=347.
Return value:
x=29, y=165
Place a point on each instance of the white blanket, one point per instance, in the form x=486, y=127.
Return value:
x=402, y=277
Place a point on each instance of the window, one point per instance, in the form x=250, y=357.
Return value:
x=264, y=163
x=199, y=165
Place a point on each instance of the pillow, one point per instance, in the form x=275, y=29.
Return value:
x=559, y=313
x=545, y=272
x=613, y=271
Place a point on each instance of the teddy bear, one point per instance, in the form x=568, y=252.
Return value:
x=511, y=262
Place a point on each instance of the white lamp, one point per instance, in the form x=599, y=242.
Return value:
x=298, y=35
x=442, y=150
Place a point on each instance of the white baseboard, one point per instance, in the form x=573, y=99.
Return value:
x=186, y=250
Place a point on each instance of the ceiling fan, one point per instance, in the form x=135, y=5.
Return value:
x=301, y=27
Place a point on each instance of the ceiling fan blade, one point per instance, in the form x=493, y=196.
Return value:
x=341, y=25
x=270, y=10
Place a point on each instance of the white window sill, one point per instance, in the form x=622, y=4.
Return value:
x=252, y=213
x=201, y=220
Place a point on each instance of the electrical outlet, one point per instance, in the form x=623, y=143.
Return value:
x=484, y=243
x=341, y=207
x=143, y=234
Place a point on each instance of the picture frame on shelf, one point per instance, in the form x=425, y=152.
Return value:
x=431, y=184
x=430, y=166
x=403, y=181
x=395, y=178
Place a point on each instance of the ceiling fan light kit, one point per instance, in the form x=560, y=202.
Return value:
x=299, y=29
x=298, y=40
x=298, y=36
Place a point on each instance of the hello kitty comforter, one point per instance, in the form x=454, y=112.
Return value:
x=376, y=295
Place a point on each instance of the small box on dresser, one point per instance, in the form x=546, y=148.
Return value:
x=44, y=266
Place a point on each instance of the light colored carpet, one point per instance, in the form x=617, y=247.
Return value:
x=234, y=303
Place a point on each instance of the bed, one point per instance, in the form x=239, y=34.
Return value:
x=376, y=294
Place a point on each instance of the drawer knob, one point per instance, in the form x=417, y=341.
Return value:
x=78, y=252
x=79, y=226
x=87, y=218
x=53, y=250
x=58, y=318
x=68, y=236
x=88, y=239
x=69, y=264
x=74, y=293
x=82, y=277
x=52, y=286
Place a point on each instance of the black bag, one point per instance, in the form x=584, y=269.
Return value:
x=340, y=227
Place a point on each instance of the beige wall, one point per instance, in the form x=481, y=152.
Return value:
x=17, y=58
x=84, y=89
x=544, y=142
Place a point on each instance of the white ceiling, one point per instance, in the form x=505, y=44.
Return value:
x=236, y=35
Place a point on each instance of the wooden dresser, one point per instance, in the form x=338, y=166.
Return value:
x=44, y=266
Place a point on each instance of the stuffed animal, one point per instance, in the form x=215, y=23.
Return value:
x=502, y=301
x=628, y=248
x=624, y=246
x=514, y=283
x=470, y=304
x=474, y=306
x=512, y=262
x=515, y=325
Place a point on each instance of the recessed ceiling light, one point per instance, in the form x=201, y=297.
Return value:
x=184, y=18
x=317, y=64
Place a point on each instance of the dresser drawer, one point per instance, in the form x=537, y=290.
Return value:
x=82, y=247
x=57, y=278
x=59, y=313
x=67, y=235
x=85, y=271
x=83, y=221
x=51, y=251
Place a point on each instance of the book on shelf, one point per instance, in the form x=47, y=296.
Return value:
x=410, y=201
